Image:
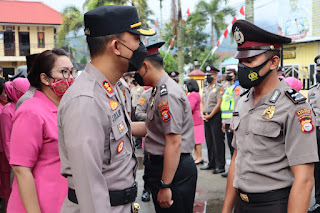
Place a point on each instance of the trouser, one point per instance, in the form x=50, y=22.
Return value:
x=275, y=206
x=138, y=140
x=215, y=142
x=229, y=138
x=183, y=186
x=146, y=174
x=317, y=170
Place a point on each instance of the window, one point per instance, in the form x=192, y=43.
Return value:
x=41, y=40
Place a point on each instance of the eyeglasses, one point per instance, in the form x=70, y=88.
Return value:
x=66, y=72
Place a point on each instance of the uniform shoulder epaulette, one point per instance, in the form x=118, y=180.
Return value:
x=220, y=85
x=245, y=92
x=163, y=90
x=119, y=83
x=295, y=97
x=313, y=86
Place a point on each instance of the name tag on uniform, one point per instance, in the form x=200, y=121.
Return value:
x=116, y=115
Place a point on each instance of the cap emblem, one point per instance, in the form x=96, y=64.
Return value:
x=318, y=61
x=253, y=76
x=208, y=68
x=86, y=31
x=238, y=36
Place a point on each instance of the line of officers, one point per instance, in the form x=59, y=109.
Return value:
x=274, y=127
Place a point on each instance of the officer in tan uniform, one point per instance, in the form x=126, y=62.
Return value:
x=314, y=100
x=274, y=132
x=211, y=114
x=169, y=138
x=125, y=89
x=136, y=92
x=95, y=141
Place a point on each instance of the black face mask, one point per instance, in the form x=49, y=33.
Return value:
x=228, y=78
x=137, y=58
x=209, y=79
x=318, y=77
x=249, y=76
x=138, y=78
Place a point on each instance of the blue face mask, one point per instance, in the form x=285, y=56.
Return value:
x=249, y=76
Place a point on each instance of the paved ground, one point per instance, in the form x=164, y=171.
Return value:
x=210, y=189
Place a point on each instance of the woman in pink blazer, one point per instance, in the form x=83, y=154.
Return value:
x=195, y=99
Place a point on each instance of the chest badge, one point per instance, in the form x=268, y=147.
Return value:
x=120, y=127
x=113, y=105
x=268, y=113
x=120, y=147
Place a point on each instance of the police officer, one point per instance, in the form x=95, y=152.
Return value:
x=211, y=114
x=229, y=100
x=169, y=139
x=95, y=141
x=314, y=100
x=174, y=75
x=274, y=133
x=125, y=89
x=136, y=92
x=141, y=115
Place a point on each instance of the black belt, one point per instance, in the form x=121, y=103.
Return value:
x=159, y=158
x=117, y=198
x=264, y=197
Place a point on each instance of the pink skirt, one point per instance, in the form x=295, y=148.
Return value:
x=199, y=134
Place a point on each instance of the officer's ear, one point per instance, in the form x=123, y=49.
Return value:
x=114, y=45
x=275, y=60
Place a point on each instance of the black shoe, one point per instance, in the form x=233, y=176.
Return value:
x=207, y=167
x=145, y=196
x=314, y=209
x=218, y=171
x=225, y=175
x=200, y=162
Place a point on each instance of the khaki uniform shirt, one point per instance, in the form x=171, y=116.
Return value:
x=169, y=111
x=210, y=96
x=136, y=91
x=141, y=110
x=314, y=100
x=95, y=143
x=269, y=137
x=125, y=89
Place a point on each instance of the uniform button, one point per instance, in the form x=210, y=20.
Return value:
x=250, y=111
x=240, y=177
x=247, y=133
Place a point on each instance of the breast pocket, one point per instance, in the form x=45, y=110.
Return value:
x=268, y=140
x=119, y=142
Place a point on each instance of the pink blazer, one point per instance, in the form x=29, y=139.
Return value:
x=195, y=99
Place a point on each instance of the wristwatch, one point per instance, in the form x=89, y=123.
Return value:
x=163, y=185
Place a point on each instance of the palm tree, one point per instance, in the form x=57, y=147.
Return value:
x=72, y=20
x=216, y=16
x=249, y=5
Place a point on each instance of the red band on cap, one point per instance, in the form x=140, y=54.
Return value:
x=153, y=50
x=257, y=44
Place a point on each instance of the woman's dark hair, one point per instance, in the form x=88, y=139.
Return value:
x=2, y=81
x=44, y=63
x=192, y=85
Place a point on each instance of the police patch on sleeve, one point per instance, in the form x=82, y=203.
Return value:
x=305, y=119
x=164, y=110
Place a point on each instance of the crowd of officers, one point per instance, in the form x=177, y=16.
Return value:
x=271, y=130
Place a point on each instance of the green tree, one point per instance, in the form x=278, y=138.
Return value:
x=170, y=63
x=143, y=11
x=211, y=10
x=72, y=20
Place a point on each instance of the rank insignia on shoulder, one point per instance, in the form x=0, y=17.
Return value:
x=120, y=147
x=268, y=113
x=295, y=96
x=245, y=92
x=113, y=105
x=107, y=86
x=275, y=96
x=235, y=114
x=119, y=83
x=163, y=90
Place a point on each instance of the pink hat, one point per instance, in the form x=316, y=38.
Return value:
x=294, y=83
x=16, y=88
